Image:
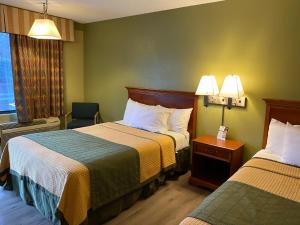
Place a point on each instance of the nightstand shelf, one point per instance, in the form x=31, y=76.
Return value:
x=214, y=161
x=211, y=156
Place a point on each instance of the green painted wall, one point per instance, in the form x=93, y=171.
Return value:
x=257, y=39
x=74, y=70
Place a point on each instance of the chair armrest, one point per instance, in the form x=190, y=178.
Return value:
x=66, y=119
x=96, y=117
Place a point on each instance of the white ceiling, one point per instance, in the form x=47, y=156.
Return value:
x=87, y=11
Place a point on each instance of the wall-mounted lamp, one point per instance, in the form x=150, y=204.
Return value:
x=232, y=88
x=232, y=92
x=207, y=87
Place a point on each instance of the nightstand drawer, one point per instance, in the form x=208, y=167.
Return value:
x=213, y=152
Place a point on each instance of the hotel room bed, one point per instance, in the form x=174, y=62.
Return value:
x=90, y=174
x=263, y=191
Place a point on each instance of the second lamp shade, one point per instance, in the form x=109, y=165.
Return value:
x=232, y=87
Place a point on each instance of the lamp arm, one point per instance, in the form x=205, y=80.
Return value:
x=223, y=112
x=229, y=103
x=205, y=100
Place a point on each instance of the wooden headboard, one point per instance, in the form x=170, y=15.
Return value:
x=169, y=99
x=282, y=110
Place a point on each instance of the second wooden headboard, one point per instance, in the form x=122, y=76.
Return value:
x=170, y=99
x=282, y=110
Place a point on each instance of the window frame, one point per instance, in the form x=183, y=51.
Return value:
x=14, y=110
x=8, y=112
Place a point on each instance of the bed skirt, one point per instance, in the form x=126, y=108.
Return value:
x=183, y=160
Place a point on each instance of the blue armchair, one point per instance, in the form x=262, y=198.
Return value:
x=83, y=114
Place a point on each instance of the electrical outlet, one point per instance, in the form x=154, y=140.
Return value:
x=217, y=100
x=239, y=102
x=236, y=102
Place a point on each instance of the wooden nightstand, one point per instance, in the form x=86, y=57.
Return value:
x=214, y=161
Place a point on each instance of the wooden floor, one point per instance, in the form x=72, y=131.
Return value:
x=168, y=206
x=15, y=212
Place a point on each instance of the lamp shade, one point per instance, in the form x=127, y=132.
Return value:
x=207, y=86
x=232, y=87
x=44, y=29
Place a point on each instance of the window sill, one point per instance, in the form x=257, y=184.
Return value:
x=8, y=117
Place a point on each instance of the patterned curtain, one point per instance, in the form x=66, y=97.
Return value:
x=38, y=77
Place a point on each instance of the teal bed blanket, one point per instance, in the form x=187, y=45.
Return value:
x=262, y=192
x=240, y=204
x=114, y=168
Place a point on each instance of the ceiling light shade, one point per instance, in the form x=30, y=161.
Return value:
x=207, y=86
x=44, y=29
x=232, y=87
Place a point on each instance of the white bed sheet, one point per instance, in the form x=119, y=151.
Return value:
x=268, y=155
x=182, y=141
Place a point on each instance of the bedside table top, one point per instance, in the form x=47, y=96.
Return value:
x=212, y=140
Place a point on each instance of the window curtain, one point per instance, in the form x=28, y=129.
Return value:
x=2, y=21
x=38, y=77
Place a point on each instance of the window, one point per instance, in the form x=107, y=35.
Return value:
x=7, y=98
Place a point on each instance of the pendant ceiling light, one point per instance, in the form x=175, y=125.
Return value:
x=44, y=28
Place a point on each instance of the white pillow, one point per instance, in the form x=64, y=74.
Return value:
x=131, y=108
x=291, y=146
x=150, y=118
x=147, y=117
x=170, y=111
x=276, y=137
x=128, y=114
x=179, y=119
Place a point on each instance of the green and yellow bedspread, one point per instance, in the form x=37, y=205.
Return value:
x=69, y=172
x=261, y=192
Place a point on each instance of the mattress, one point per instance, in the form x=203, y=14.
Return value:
x=262, y=191
x=69, y=172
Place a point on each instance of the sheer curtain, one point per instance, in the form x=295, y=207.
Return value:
x=38, y=77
